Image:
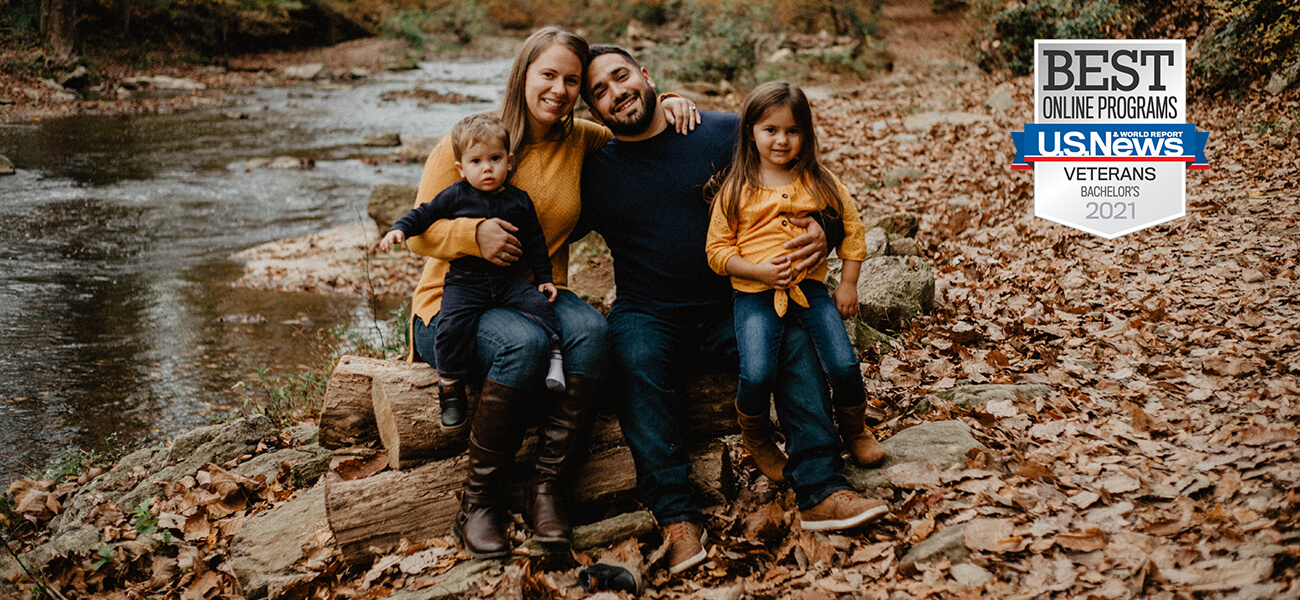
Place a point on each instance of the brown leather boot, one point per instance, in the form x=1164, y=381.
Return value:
x=756, y=436
x=862, y=445
x=495, y=434
x=559, y=452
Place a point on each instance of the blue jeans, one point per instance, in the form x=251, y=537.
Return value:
x=514, y=351
x=466, y=295
x=759, y=332
x=652, y=355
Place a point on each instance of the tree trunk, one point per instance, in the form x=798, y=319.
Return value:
x=59, y=30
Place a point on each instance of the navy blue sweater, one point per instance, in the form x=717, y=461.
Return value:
x=510, y=203
x=646, y=198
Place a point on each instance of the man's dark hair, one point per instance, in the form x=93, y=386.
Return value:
x=597, y=50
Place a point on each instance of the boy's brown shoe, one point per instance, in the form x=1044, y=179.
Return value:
x=756, y=437
x=843, y=509
x=685, y=545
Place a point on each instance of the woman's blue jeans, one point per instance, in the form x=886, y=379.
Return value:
x=514, y=351
x=759, y=334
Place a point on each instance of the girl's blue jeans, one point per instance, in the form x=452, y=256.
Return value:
x=515, y=351
x=759, y=333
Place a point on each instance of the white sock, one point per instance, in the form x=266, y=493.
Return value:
x=448, y=382
x=555, y=376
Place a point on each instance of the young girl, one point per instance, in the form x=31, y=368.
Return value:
x=773, y=177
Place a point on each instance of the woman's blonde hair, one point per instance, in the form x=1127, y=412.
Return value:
x=806, y=167
x=514, y=109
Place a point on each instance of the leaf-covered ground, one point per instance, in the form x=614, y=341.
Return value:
x=1163, y=465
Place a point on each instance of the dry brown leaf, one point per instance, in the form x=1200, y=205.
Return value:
x=767, y=523
x=993, y=535
x=1089, y=540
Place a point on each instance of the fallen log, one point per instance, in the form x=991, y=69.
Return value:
x=370, y=516
x=348, y=415
x=409, y=420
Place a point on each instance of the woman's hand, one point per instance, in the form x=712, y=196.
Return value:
x=681, y=114
x=393, y=238
x=846, y=299
x=808, y=250
x=497, y=243
x=548, y=290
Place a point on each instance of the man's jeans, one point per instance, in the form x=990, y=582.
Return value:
x=515, y=352
x=651, y=359
x=759, y=332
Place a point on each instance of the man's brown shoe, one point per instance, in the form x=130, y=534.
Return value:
x=685, y=545
x=843, y=509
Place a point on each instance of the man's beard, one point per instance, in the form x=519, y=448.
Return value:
x=639, y=123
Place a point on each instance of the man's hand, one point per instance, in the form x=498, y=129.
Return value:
x=548, y=290
x=807, y=251
x=497, y=243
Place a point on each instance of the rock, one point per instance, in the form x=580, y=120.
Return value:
x=162, y=82
x=309, y=463
x=867, y=339
x=924, y=122
x=905, y=138
x=138, y=472
x=877, y=242
x=307, y=72
x=780, y=55
x=390, y=202
x=973, y=395
x=303, y=434
x=1000, y=98
x=289, y=162
x=6, y=166
x=904, y=246
x=7, y=101
x=33, y=95
x=893, y=289
x=264, y=552
x=406, y=64
x=383, y=139
x=415, y=149
x=896, y=175
x=1284, y=78
x=899, y=224
x=451, y=585
x=52, y=84
x=63, y=97
x=949, y=542
x=969, y=576
x=939, y=443
x=76, y=79
x=235, y=115
x=357, y=73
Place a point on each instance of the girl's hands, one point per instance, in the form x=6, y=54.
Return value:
x=393, y=238
x=846, y=299
x=681, y=114
x=548, y=290
x=775, y=273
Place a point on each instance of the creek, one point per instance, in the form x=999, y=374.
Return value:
x=118, y=316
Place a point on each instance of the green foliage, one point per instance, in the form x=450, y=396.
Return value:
x=287, y=398
x=457, y=21
x=719, y=44
x=75, y=460
x=143, y=519
x=1008, y=30
x=105, y=554
x=20, y=19
x=1252, y=38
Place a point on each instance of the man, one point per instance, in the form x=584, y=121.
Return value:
x=644, y=193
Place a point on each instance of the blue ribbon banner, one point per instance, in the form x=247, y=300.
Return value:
x=1109, y=142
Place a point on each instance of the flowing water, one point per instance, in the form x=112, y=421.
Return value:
x=117, y=313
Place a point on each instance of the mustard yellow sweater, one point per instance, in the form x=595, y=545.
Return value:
x=764, y=226
x=549, y=172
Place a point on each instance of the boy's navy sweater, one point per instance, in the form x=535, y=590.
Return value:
x=647, y=199
x=510, y=203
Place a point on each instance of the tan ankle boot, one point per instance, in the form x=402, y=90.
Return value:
x=756, y=435
x=853, y=430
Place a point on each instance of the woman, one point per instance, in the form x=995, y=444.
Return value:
x=548, y=146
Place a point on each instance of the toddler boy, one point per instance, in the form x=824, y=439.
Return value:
x=473, y=285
